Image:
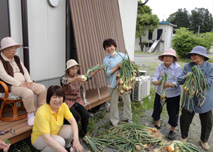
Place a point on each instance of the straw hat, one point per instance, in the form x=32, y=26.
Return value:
x=200, y=50
x=71, y=63
x=8, y=42
x=169, y=51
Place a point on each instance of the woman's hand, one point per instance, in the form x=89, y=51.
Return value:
x=156, y=82
x=4, y=146
x=166, y=85
x=118, y=66
x=27, y=85
x=187, y=74
x=77, y=146
x=80, y=78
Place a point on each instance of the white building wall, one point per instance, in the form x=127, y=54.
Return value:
x=166, y=42
x=16, y=24
x=46, y=39
x=128, y=11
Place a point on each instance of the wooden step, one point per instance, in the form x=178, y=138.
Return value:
x=22, y=130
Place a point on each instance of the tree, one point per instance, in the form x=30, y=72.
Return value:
x=179, y=18
x=184, y=41
x=201, y=20
x=145, y=21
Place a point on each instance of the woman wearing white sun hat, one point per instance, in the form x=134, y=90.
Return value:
x=15, y=75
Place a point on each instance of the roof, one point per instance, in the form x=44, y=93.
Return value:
x=167, y=23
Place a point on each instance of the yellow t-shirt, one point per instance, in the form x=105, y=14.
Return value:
x=49, y=122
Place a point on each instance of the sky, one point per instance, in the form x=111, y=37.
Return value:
x=163, y=8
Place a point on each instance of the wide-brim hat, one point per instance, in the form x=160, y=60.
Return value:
x=8, y=42
x=169, y=51
x=71, y=63
x=200, y=50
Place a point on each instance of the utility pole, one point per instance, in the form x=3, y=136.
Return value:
x=198, y=31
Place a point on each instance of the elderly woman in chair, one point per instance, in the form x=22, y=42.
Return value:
x=17, y=78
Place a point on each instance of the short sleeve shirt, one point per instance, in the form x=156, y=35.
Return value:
x=49, y=122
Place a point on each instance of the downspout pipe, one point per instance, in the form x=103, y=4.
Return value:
x=24, y=15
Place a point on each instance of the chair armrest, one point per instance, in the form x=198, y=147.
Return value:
x=6, y=90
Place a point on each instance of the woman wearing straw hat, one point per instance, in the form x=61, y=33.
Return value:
x=172, y=90
x=71, y=83
x=17, y=78
x=198, y=57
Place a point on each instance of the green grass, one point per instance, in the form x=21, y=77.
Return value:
x=23, y=146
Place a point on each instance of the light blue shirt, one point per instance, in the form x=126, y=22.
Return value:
x=112, y=62
x=173, y=71
x=207, y=105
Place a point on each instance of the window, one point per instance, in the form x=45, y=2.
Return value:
x=150, y=36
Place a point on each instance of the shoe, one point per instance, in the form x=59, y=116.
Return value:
x=115, y=125
x=107, y=106
x=171, y=135
x=183, y=140
x=68, y=149
x=205, y=146
x=126, y=121
x=30, y=119
x=158, y=127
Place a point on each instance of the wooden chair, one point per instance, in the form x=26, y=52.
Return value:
x=11, y=103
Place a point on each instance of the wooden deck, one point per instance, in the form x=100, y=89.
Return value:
x=22, y=130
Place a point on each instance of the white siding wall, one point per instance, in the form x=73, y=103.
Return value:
x=128, y=11
x=46, y=39
x=46, y=27
x=16, y=23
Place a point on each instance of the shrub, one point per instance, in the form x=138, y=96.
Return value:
x=184, y=41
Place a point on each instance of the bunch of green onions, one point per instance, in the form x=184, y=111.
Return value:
x=126, y=137
x=162, y=81
x=178, y=146
x=194, y=85
x=163, y=95
x=127, y=75
x=94, y=68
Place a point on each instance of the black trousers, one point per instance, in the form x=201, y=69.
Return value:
x=77, y=110
x=172, y=106
x=206, y=124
